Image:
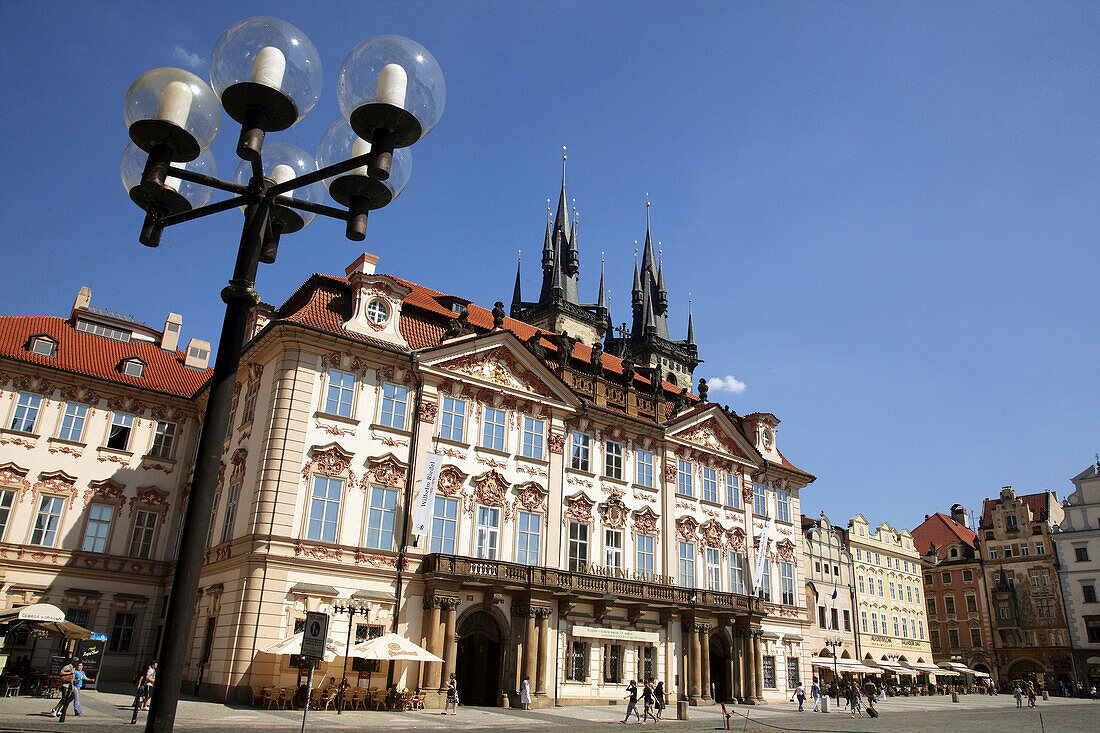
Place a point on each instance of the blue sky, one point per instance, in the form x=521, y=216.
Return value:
x=885, y=213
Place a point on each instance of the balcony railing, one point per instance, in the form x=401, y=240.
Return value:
x=471, y=571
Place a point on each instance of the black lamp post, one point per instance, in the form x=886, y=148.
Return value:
x=267, y=76
x=835, y=642
x=351, y=609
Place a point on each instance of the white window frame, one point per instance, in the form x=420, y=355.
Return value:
x=577, y=549
x=253, y=392
x=786, y=580
x=44, y=534
x=644, y=553
x=759, y=499
x=324, y=509
x=28, y=406
x=444, y=525
x=164, y=440
x=712, y=559
x=73, y=422
x=494, y=428
x=231, y=500
x=487, y=533
x=687, y=564
x=733, y=491
x=710, y=484
x=685, y=478
x=613, y=460
x=102, y=528
x=782, y=505
x=381, y=519
x=534, y=432
x=121, y=420
x=394, y=396
x=644, y=467
x=339, y=395
x=528, y=540
x=142, y=547
x=737, y=572
x=7, y=501
x=613, y=548
x=452, y=421
x=580, y=451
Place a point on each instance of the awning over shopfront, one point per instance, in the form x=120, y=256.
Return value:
x=921, y=667
x=842, y=665
x=959, y=669
x=890, y=666
x=42, y=616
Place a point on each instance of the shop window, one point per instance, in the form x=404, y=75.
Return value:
x=794, y=679
x=648, y=659
x=613, y=663
x=578, y=661
x=769, y=672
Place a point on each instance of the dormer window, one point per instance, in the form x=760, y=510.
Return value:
x=43, y=346
x=198, y=353
x=132, y=367
x=377, y=312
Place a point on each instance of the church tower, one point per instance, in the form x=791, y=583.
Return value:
x=647, y=343
x=559, y=308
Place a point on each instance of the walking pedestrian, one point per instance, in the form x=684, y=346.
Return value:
x=648, y=702
x=632, y=702
x=452, y=696
x=525, y=693
x=855, y=701
x=1019, y=695
x=1031, y=695
x=659, y=697
x=66, y=676
x=800, y=695
x=815, y=693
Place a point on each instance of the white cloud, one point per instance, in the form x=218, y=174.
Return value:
x=728, y=383
x=188, y=58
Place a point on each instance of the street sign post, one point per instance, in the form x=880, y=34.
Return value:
x=314, y=639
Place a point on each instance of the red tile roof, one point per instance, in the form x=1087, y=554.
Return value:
x=1037, y=503
x=941, y=530
x=97, y=356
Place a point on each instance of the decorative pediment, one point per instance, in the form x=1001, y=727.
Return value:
x=686, y=528
x=103, y=490
x=531, y=496
x=240, y=457
x=499, y=366
x=150, y=497
x=55, y=482
x=613, y=512
x=451, y=479
x=489, y=488
x=330, y=460
x=645, y=522
x=736, y=539
x=785, y=550
x=344, y=361
x=712, y=533
x=14, y=476
x=387, y=470
x=579, y=508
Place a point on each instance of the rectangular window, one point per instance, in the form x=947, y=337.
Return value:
x=847, y=620
x=340, y=395
x=452, y=423
x=794, y=679
x=934, y=638
x=613, y=663
x=578, y=546
x=713, y=559
x=874, y=623
x=488, y=532
x=949, y=605
x=1039, y=548
x=72, y=424
x=946, y=577
x=1081, y=554
x=896, y=633
x=648, y=659
x=1044, y=608
x=578, y=661
x=992, y=553
x=766, y=581
x=1088, y=592
x=769, y=671
x=976, y=638
x=733, y=491
x=687, y=564
x=645, y=468
x=782, y=505
x=737, y=572
x=45, y=524
x=909, y=593
x=904, y=627
x=145, y=527
x=613, y=548
x=7, y=498
x=931, y=605
x=213, y=513
x=119, y=436
x=98, y=528
x=1007, y=550
x=759, y=500
x=822, y=617
x=892, y=596
x=643, y=543
x=880, y=593
x=26, y=412
x=380, y=518
x=395, y=399
x=492, y=428
x=527, y=542
x=444, y=524
x=684, y=478
x=533, y=431
x=1034, y=575
x=834, y=617
x=613, y=460
x=324, y=509
x=122, y=633
x=863, y=621
x=1024, y=549
x=231, y=510
x=920, y=628
x=579, y=451
x=953, y=638
x=164, y=439
x=971, y=604
x=710, y=485
x=860, y=578
x=786, y=579
x=253, y=392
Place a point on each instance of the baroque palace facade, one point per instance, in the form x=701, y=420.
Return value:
x=595, y=521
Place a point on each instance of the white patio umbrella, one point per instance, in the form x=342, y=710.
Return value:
x=293, y=645
x=393, y=648
x=43, y=616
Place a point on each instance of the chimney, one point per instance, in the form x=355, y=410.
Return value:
x=83, y=298
x=170, y=338
x=198, y=354
x=959, y=515
x=364, y=265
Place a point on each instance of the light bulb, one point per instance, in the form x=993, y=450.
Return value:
x=282, y=173
x=269, y=67
x=175, y=103
x=392, y=83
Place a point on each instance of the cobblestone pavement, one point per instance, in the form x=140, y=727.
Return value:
x=110, y=712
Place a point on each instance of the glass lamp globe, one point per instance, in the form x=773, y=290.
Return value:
x=266, y=72
x=282, y=162
x=175, y=108
x=176, y=196
x=393, y=85
x=341, y=143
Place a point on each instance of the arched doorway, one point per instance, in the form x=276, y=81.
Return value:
x=1026, y=670
x=477, y=666
x=721, y=680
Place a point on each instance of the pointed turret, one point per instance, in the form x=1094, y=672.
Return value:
x=572, y=255
x=636, y=292
x=517, y=297
x=691, y=329
x=548, y=245
x=662, y=295
x=601, y=300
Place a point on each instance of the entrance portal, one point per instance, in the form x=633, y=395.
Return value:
x=477, y=667
x=720, y=672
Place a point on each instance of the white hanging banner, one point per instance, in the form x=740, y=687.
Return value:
x=425, y=498
x=761, y=555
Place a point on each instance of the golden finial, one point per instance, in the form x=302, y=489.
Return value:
x=601, y=258
x=647, y=199
x=563, y=156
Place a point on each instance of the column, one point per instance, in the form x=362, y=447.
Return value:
x=758, y=665
x=696, y=668
x=543, y=642
x=450, y=644
x=750, y=668
x=735, y=664
x=704, y=643
x=431, y=635
x=530, y=649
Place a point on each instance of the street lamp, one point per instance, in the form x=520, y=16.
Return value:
x=351, y=609
x=267, y=76
x=835, y=642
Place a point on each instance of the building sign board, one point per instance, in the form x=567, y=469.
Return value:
x=598, y=632
x=425, y=498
